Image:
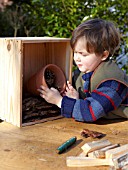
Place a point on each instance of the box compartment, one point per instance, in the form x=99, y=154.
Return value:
x=20, y=58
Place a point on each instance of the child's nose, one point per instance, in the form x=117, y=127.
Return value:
x=77, y=56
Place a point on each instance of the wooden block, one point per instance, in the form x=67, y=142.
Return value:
x=121, y=161
x=76, y=161
x=82, y=154
x=116, y=151
x=95, y=145
x=101, y=152
x=91, y=155
x=81, y=161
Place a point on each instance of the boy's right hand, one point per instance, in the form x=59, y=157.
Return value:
x=71, y=92
x=51, y=95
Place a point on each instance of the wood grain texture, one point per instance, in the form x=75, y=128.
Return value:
x=11, y=80
x=34, y=147
x=116, y=151
x=92, y=146
x=101, y=152
x=22, y=57
x=75, y=161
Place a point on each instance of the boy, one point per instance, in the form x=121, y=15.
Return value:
x=101, y=87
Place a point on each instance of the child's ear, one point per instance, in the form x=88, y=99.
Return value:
x=105, y=55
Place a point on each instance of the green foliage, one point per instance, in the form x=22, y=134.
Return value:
x=59, y=17
x=46, y=17
x=63, y=16
x=117, y=12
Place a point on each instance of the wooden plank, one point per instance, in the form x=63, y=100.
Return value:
x=57, y=55
x=81, y=161
x=116, y=151
x=82, y=154
x=34, y=59
x=38, y=39
x=76, y=161
x=11, y=81
x=69, y=62
x=42, y=121
x=121, y=161
x=101, y=152
x=95, y=145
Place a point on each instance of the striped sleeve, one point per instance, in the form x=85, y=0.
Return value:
x=107, y=97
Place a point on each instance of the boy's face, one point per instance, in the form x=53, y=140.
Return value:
x=86, y=62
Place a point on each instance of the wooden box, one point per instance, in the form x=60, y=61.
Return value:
x=20, y=58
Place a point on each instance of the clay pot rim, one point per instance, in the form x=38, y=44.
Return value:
x=38, y=79
x=54, y=66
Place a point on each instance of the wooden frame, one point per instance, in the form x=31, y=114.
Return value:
x=20, y=58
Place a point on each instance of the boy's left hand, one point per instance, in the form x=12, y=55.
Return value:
x=51, y=95
x=71, y=92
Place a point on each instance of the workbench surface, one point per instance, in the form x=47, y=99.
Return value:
x=34, y=147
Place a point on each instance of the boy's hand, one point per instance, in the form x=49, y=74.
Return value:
x=51, y=95
x=71, y=92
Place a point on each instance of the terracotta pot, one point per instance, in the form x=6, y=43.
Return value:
x=49, y=76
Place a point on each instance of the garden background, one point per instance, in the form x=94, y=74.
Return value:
x=58, y=18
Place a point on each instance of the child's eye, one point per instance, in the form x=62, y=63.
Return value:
x=84, y=55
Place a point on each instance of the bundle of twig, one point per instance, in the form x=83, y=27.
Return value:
x=36, y=108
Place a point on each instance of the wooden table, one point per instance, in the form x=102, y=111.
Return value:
x=34, y=147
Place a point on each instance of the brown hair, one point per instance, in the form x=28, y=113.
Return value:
x=100, y=35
